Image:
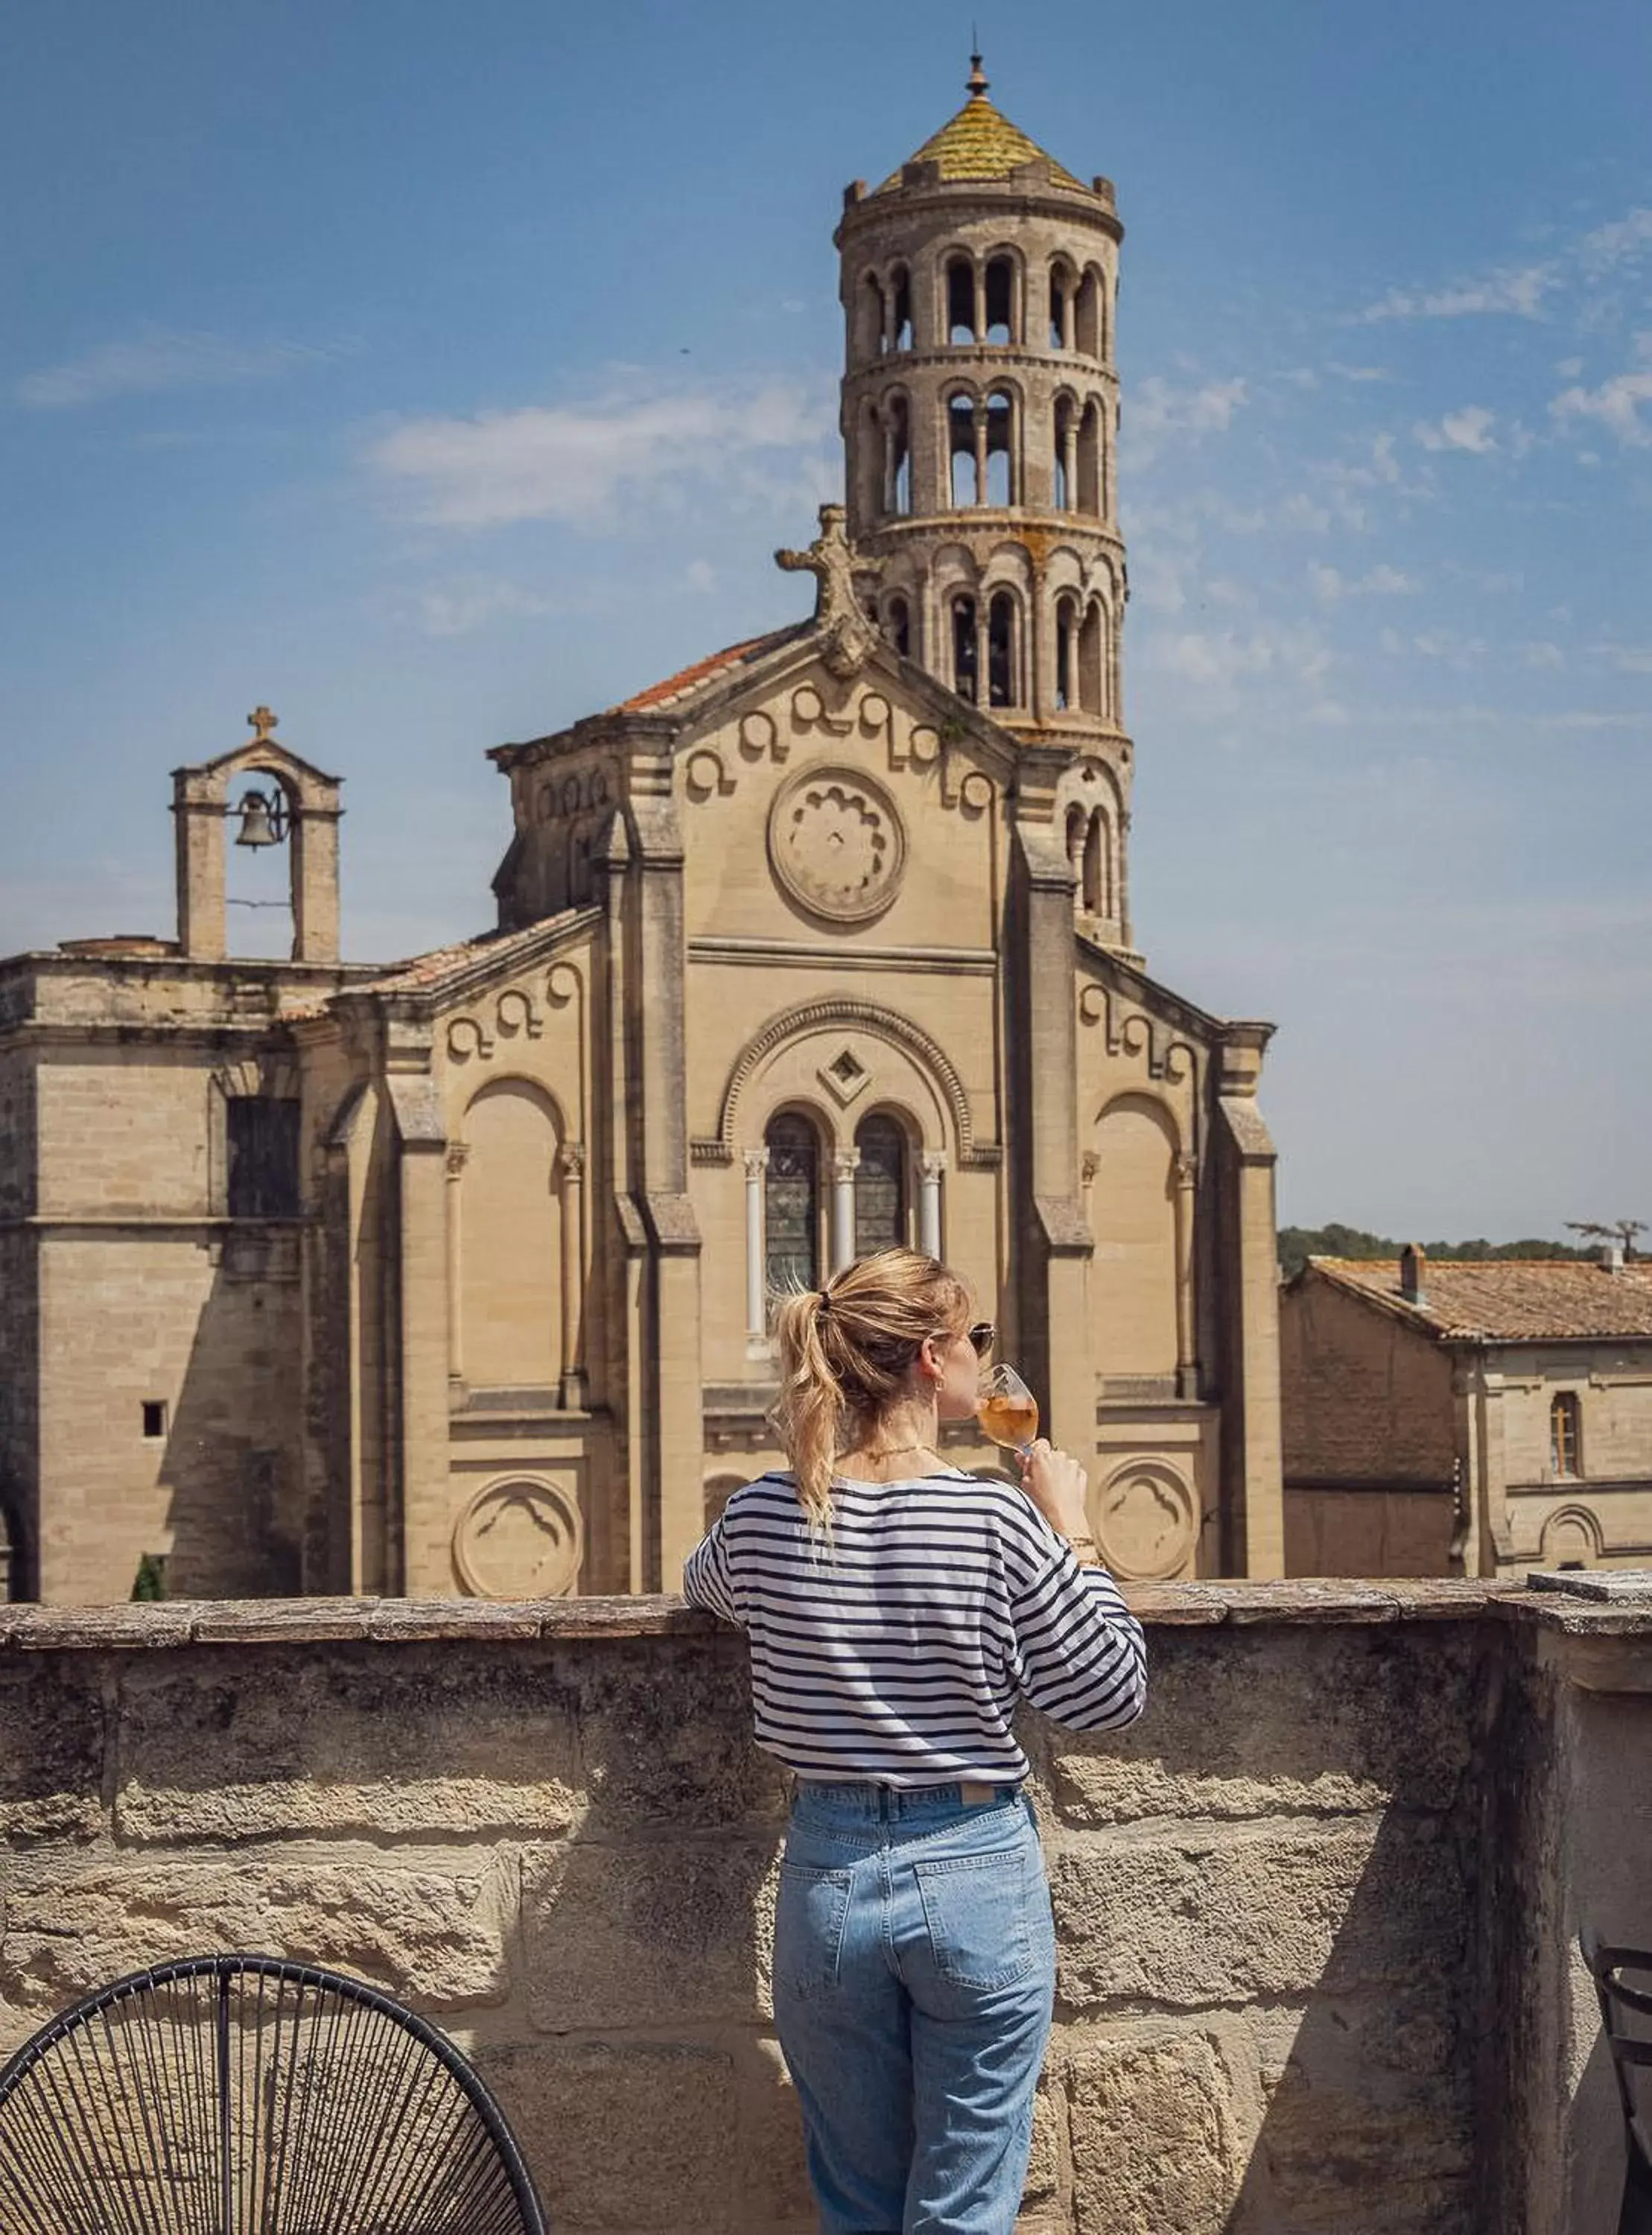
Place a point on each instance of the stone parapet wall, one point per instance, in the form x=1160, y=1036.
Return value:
x=1284, y=1983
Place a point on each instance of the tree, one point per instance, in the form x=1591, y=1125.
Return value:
x=1624, y=1232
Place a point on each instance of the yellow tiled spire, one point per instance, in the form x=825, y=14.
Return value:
x=980, y=143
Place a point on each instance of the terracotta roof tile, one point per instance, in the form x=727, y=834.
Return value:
x=1509, y=1299
x=426, y=973
x=980, y=142
x=689, y=678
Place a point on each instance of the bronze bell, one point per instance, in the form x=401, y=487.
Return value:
x=264, y=822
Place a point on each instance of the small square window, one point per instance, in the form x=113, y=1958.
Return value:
x=154, y=1417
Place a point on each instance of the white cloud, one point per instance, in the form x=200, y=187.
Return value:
x=1467, y=429
x=1626, y=658
x=576, y=461
x=1544, y=654
x=1517, y=293
x=700, y=575
x=459, y=608
x=1223, y=658
x=1616, y=405
x=1330, y=586
x=1159, y=413
x=1617, y=243
x=158, y=360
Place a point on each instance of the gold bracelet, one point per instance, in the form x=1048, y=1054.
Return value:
x=1081, y=1545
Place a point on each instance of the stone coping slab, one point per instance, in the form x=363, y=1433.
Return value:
x=1306, y=1601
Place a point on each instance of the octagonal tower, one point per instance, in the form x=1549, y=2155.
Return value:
x=980, y=418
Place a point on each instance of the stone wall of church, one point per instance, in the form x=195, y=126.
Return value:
x=1313, y=1910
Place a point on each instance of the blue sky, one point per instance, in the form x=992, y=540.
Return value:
x=438, y=374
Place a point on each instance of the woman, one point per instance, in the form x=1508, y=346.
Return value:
x=897, y=1608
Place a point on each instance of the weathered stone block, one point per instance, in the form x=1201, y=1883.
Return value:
x=51, y=1750
x=1361, y=2160
x=1154, y=2151
x=682, y=1756
x=774, y=2181
x=1234, y=1914
x=659, y=1935
x=1349, y=1721
x=638, y=2134
x=431, y=1931
x=222, y=1747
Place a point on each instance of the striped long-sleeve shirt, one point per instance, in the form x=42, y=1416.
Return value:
x=897, y=1655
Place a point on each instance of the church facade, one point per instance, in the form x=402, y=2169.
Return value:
x=457, y=1277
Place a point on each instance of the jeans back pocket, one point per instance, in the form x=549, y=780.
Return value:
x=978, y=1909
x=810, y=1912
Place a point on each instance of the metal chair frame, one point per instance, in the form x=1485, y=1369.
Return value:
x=56, y=2196
x=1630, y=2054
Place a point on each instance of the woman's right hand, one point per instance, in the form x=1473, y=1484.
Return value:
x=1056, y=1483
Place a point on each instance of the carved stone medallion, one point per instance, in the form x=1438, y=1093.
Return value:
x=837, y=843
x=1146, y=1522
x=519, y=1538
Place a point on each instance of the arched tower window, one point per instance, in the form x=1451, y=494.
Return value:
x=1089, y=489
x=1066, y=621
x=1001, y=458
x=900, y=308
x=965, y=659
x=1001, y=299
x=791, y=1203
x=1092, y=667
x=871, y=467
x=869, y=317
x=1064, y=462
x=880, y=1185
x=897, y=457
x=1001, y=649
x=897, y=626
x=965, y=473
x=1088, y=321
x=960, y=301
x=1060, y=305
x=1565, y=1435
x=1093, y=880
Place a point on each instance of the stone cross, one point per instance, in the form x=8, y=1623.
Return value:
x=848, y=636
x=262, y=721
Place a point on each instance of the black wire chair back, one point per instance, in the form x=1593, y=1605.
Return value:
x=1620, y=2004
x=244, y=2095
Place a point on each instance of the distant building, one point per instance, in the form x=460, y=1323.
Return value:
x=1477, y=1419
x=456, y=1277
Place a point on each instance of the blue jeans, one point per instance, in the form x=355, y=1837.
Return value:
x=914, y=1982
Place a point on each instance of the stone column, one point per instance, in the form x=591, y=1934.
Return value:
x=1187, y=1373
x=932, y=1164
x=573, y=1275
x=199, y=830
x=315, y=883
x=1070, y=462
x=1055, y=1330
x=844, y=1164
x=457, y=1155
x=756, y=1281
x=979, y=433
x=425, y=1564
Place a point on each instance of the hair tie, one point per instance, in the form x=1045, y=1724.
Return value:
x=825, y=1301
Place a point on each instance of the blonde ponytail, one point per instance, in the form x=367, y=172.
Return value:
x=845, y=1352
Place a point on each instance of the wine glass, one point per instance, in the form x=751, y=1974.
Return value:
x=1006, y=1409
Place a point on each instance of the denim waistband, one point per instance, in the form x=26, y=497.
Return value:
x=886, y=1803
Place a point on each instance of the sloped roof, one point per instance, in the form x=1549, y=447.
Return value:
x=690, y=680
x=980, y=143
x=1508, y=1299
x=431, y=972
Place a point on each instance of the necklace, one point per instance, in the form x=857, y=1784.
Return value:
x=893, y=1451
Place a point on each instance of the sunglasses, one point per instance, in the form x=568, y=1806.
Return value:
x=983, y=1335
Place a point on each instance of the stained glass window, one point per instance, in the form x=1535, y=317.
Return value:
x=880, y=1186
x=793, y=1200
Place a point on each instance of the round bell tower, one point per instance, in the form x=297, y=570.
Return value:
x=980, y=418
